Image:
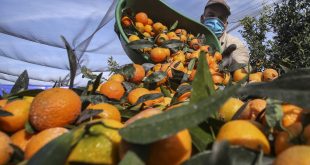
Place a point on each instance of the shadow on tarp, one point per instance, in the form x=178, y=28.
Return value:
x=7, y=88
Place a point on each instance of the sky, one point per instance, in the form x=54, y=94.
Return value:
x=30, y=34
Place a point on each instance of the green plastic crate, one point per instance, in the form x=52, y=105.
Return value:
x=158, y=11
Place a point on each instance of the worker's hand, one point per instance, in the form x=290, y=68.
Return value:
x=227, y=58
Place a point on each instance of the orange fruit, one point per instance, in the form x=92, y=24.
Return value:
x=21, y=138
x=217, y=78
x=158, y=27
x=154, y=101
x=159, y=54
x=170, y=151
x=143, y=114
x=244, y=133
x=174, y=106
x=149, y=21
x=229, y=108
x=109, y=111
x=126, y=21
x=6, y=151
x=20, y=111
x=41, y=139
x=179, y=56
x=226, y=78
x=173, y=150
x=181, y=32
x=135, y=94
x=140, y=27
x=256, y=77
x=270, y=74
x=239, y=75
x=133, y=38
x=192, y=75
x=194, y=44
x=171, y=35
x=218, y=56
x=3, y=102
x=190, y=36
x=28, y=98
x=205, y=48
x=157, y=67
x=293, y=156
x=291, y=114
x=161, y=38
x=55, y=107
x=147, y=35
x=284, y=139
x=142, y=18
x=112, y=89
x=148, y=28
x=183, y=38
x=139, y=74
x=185, y=96
x=253, y=109
x=100, y=146
x=117, y=77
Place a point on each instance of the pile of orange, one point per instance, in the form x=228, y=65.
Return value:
x=148, y=91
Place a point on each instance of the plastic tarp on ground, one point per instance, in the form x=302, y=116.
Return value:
x=30, y=35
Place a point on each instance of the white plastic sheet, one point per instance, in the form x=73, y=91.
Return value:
x=30, y=35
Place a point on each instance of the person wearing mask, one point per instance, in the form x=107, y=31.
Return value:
x=215, y=17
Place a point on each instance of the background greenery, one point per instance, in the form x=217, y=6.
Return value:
x=289, y=25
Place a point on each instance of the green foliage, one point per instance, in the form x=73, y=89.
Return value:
x=113, y=65
x=289, y=22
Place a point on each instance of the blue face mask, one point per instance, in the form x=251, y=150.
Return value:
x=216, y=25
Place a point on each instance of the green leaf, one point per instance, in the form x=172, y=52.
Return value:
x=55, y=152
x=288, y=90
x=87, y=73
x=201, y=139
x=72, y=61
x=200, y=158
x=85, y=89
x=203, y=85
x=96, y=83
x=274, y=113
x=179, y=92
x=140, y=44
x=131, y=158
x=240, y=110
x=191, y=64
x=18, y=154
x=147, y=97
x=165, y=91
x=28, y=128
x=227, y=155
x=129, y=86
x=21, y=83
x=95, y=99
x=4, y=113
x=128, y=113
x=236, y=66
x=31, y=92
x=127, y=70
x=171, y=44
x=163, y=125
x=301, y=73
x=155, y=77
x=175, y=25
x=87, y=114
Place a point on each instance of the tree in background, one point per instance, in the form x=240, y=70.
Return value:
x=289, y=48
